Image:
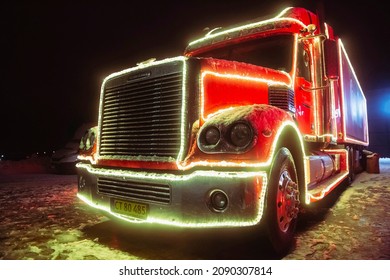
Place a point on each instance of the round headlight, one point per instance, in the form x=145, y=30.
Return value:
x=91, y=139
x=212, y=135
x=83, y=142
x=88, y=140
x=241, y=134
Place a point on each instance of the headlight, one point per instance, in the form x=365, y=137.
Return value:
x=241, y=134
x=91, y=139
x=88, y=140
x=237, y=137
x=83, y=141
x=212, y=135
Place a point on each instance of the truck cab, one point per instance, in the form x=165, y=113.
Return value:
x=251, y=124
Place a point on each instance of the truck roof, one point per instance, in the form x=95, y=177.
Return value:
x=291, y=19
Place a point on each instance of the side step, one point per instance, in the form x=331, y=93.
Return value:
x=318, y=191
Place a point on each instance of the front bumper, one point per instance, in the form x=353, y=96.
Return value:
x=188, y=203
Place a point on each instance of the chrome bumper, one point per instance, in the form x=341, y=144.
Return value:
x=189, y=203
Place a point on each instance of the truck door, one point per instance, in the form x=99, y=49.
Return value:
x=302, y=87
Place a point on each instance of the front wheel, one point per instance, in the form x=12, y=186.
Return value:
x=282, y=205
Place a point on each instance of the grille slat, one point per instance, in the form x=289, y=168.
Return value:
x=144, y=152
x=143, y=117
x=134, y=190
x=137, y=120
x=115, y=134
x=144, y=101
x=112, y=95
x=145, y=83
x=140, y=111
x=142, y=95
x=282, y=97
x=151, y=145
x=133, y=129
x=141, y=137
x=140, y=140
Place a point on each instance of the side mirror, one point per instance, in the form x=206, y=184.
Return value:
x=331, y=59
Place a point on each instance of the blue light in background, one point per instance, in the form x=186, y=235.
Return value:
x=384, y=104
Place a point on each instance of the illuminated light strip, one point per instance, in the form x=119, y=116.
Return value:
x=342, y=89
x=317, y=119
x=326, y=135
x=295, y=61
x=333, y=105
x=87, y=158
x=326, y=30
x=332, y=136
x=124, y=173
x=145, y=65
x=235, y=76
x=183, y=113
x=306, y=167
x=251, y=25
x=313, y=95
x=342, y=49
x=232, y=223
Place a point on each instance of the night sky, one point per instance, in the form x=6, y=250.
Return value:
x=56, y=53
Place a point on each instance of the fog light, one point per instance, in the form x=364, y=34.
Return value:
x=218, y=200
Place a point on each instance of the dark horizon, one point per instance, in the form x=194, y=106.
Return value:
x=58, y=54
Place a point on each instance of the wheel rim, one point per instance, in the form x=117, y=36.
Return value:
x=287, y=201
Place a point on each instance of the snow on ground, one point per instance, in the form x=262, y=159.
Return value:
x=356, y=226
x=41, y=218
x=29, y=165
x=45, y=221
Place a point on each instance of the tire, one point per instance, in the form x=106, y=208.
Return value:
x=282, y=203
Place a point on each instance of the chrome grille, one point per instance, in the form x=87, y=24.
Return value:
x=282, y=97
x=141, y=114
x=134, y=190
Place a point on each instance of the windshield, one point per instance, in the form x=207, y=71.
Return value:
x=272, y=52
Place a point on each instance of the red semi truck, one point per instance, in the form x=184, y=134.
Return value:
x=250, y=125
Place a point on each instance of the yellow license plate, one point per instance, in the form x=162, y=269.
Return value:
x=137, y=210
